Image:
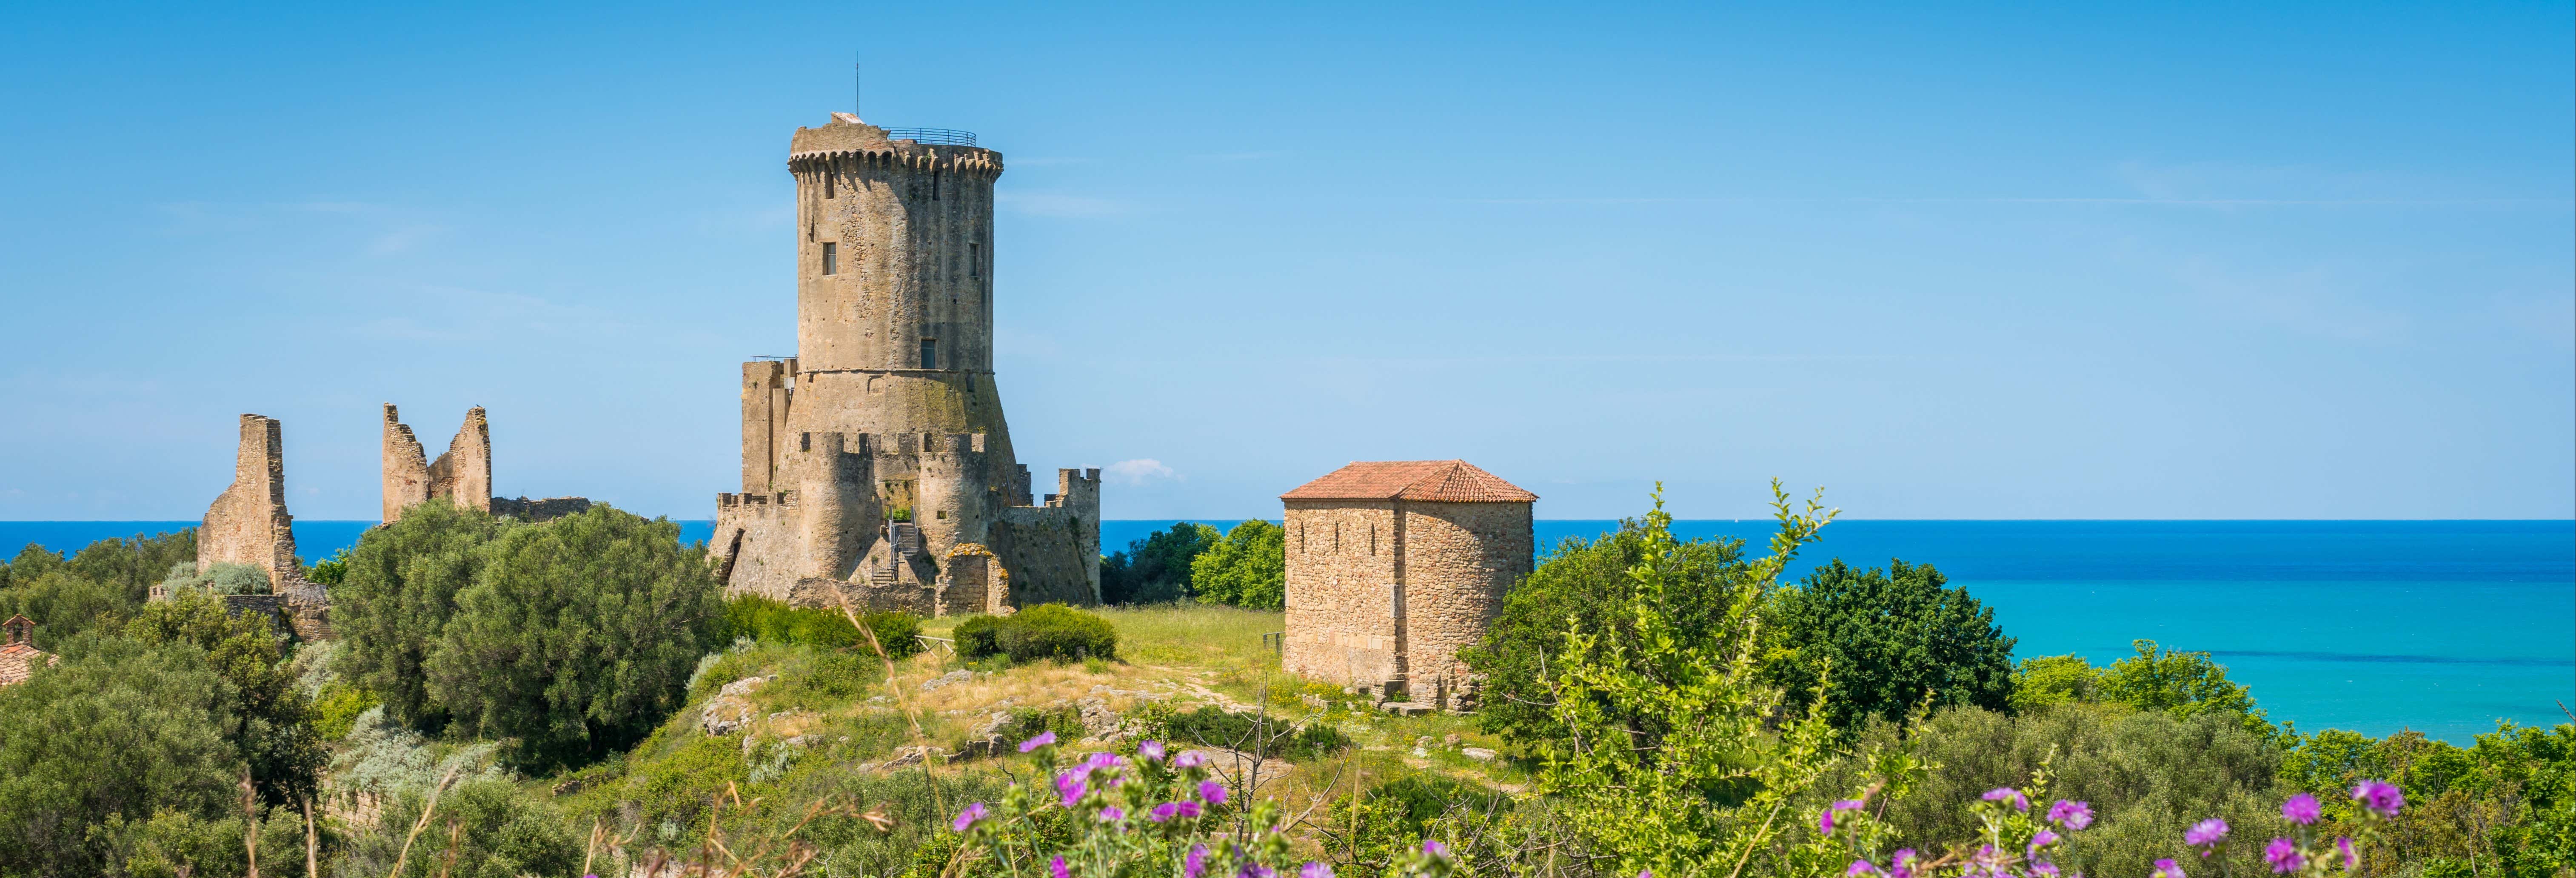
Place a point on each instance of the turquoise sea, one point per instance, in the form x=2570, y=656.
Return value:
x=2375, y=626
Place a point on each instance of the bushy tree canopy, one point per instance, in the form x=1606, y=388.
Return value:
x=273, y=721
x=2180, y=683
x=1155, y=569
x=118, y=732
x=577, y=635
x=398, y=592
x=1585, y=585
x=1248, y=568
x=1892, y=638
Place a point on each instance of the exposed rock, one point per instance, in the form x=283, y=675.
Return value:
x=731, y=710
x=1479, y=754
x=958, y=676
x=1406, y=708
x=1450, y=741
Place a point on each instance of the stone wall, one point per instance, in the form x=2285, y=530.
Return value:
x=1387, y=592
x=248, y=523
x=1342, y=570
x=461, y=475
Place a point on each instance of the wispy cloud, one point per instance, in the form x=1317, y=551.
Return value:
x=1255, y=155
x=1138, y=471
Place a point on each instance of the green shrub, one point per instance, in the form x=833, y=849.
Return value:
x=500, y=833
x=1366, y=831
x=226, y=578
x=1248, y=568
x=770, y=621
x=118, y=732
x=1892, y=637
x=1155, y=569
x=1250, y=733
x=336, y=711
x=1046, y=631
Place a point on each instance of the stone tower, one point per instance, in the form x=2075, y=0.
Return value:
x=889, y=411
x=1394, y=566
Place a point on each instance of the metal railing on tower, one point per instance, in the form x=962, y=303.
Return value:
x=932, y=136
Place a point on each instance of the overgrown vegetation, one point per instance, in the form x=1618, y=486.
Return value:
x=1046, y=631
x=1155, y=569
x=769, y=621
x=1885, y=642
x=1247, y=568
x=1245, y=732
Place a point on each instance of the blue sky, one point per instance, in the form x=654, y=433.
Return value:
x=2303, y=261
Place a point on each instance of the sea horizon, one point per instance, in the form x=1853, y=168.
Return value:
x=2443, y=626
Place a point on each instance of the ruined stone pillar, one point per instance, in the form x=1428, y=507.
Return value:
x=248, y=523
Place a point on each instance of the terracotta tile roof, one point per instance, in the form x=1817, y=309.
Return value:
x=1444, y=481
x=18, y=661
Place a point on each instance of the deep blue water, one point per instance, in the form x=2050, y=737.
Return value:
x=2440, y=626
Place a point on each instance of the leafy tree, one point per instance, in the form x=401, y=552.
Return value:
x=135, y=563
x=1247, y=568
x=1155, y=569
x=329, y=571
x=119, y=731
x=576, y=637
x=1711, y=792
x=1585, y=585
x=2042, y=681
x=2182, y=683
x=224, y=578
x=2504, y=805
x=498, y=833
x=400, y=589
x=272, y=719
x=1891, y=638
x=65, y=605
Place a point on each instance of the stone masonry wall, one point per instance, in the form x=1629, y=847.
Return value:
x=1341, y=592
x=248, y=523
x=1460, y=559
x=462, y=475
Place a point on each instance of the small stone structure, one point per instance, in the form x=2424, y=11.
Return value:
x=1394, y=566
x=18, y=653
x=891, y=406
x=462, y=475
x=249, y=524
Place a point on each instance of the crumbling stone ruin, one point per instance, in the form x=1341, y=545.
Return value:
x=462, y=475
x=1393, y=567
x=249, y=524
x=876, y=464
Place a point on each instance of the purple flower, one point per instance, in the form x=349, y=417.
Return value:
x=2283, y=854
x=1112, y=814
x=1859, y=868
x=1166, y=811
x=1151, y=750
x=2381, y=797
x=1314, y=869
x=1098, y=761
x=1056, y=867
x=2301, y=809
x=967, y=818
x=1256, y=870
x=2041, y=839
x=2167, y=869
x=1901, y=865
x=1825, y=822
x=1849, y=805
x=2206, y=832
x=2043, y=867
x=1212, y=792
x=1043, y=739
x=2343, y=845
x=1196, y=863
x=1434, y=848
x=1070, y=787
x=1191, y=759
x=1645, y=873
x=2007, y=794
x=2072, y=815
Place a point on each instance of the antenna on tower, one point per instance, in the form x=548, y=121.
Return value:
x=858, y=86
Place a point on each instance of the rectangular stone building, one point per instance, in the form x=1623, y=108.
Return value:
x=1394, y=566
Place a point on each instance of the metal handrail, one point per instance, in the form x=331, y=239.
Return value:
x=932, y=136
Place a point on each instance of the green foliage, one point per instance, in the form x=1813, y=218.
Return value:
x=274, y=731
x=400, y=590
x=64, y=605
x=2184, y=683
x=1155, y=569
x=1245, y=732
x=2148, y=775
x=2044, y=681
x=1247, y=568
x=1709, y=794
x=770, y=621
x=329, y=571
x=1028, y=722
x=1367, y=832
x=132, y=565
x=497, y=833
x=576, y=636
x=899, y=513
x=118, y=732
x=1046, y=631
x=225, y=578
x=2507, y=802
x=1892, y=638
x=336, y=711
x=1586, y=584
x=174, y=843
